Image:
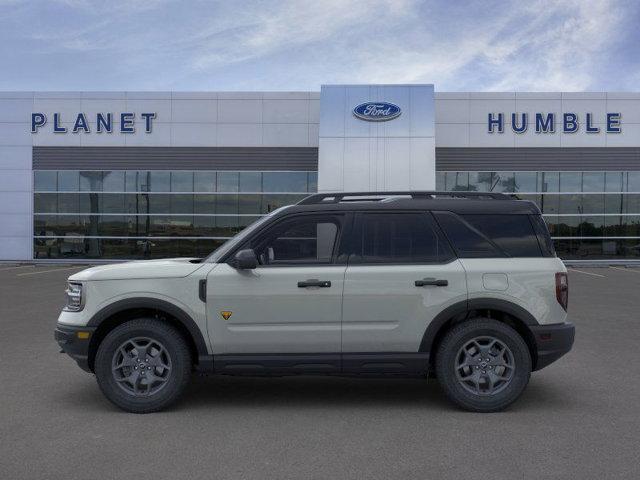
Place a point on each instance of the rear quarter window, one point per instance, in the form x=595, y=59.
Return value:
x=513, y=234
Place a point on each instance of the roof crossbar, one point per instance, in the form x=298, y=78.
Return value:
x=322, y=198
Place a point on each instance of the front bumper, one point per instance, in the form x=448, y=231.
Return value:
x=552, y=342
x=75, y=341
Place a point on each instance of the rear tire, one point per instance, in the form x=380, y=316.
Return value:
x=143, y=365
x=483, y=365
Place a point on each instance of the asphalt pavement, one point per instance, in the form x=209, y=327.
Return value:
x=579, y=418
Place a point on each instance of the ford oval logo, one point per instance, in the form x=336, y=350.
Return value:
x=377, y=111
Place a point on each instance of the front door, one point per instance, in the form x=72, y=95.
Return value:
x=401, y=274
x=289, y=304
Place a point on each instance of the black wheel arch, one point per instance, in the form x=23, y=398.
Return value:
x=503, y=310
x=120, y=311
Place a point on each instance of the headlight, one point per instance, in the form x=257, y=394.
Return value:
x=74, y=297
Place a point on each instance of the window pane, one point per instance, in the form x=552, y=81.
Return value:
x=250, y=182
x=91, y=181
x=113, y=181
x=250, y=204
x=480, y=181
x=181, y=203
x=401, y=238
x=45, y=203
x=613, y=182
x=159, y=182
x=293, y=182
x=182, y=181
x=68, y=203
x=136, y=181
x=469, y=243
x=593, y=182
x=44, y=180
x=156, y=203
x=204, y=204
x=228, y=181
x=112, y=203
x=592, y=203
x=512, y=233
x=526, y=182
x=301, y=240
x=312, y=182
x=440, y=181
x=68, y=181
x=504, y=182
x=570, y=203
x=571, y=182
x=549, y=182
x=204, y=181
x=227, y=204
x=633, y=182
x=550, y=203
x=457, y=181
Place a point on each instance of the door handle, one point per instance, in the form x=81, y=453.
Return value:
x=431, y=281
x=314, y=283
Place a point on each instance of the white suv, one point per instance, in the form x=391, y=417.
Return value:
x=465, y=286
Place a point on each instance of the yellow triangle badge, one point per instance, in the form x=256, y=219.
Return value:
x=226, y=314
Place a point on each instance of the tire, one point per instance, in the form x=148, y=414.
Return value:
x=473, y=370
x=143, y=365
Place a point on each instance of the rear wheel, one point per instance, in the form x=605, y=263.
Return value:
x=483, y=365
x=143, y=365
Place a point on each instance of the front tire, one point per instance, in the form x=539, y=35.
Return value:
x=483, y=365
x=143, y=365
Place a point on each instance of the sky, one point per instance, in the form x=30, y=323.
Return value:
x=285, y=45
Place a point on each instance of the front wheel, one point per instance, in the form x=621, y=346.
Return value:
x=143, y=365
x=483, y=365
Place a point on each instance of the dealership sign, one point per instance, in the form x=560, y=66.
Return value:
x=377, y=111
x=552, y=123
x=100, y=123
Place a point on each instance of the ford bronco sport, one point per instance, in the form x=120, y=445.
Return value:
x=463, y=286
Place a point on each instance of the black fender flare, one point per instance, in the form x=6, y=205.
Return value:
x=156, y=304
x=464, y=307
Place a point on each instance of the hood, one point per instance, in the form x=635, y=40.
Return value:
x=142, y=269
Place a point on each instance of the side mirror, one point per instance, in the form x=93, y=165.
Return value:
x=245, y=260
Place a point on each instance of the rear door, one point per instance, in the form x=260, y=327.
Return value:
x=401, y=274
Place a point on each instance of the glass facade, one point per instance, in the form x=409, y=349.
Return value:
x=590, y=215
x=153, y=214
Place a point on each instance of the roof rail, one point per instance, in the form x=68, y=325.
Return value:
x=335, y=197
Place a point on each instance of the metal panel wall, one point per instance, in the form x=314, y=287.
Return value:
x=175, y=158
x=537, y=159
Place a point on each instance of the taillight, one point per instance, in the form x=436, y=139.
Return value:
x=562, y=289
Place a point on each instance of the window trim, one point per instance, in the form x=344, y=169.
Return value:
x=357, y=225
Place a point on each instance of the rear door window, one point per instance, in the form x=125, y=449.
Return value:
x=398, y=238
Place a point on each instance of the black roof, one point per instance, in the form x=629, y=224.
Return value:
x=457, y=202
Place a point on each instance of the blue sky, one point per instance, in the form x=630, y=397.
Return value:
x=535, y=45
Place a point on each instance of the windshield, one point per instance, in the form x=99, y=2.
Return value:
x=223, y=249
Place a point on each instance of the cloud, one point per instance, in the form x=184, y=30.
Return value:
x=299, y=44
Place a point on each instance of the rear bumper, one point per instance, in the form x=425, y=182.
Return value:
x=73, y=345
x=552, y=342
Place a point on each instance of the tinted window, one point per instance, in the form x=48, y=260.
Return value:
x=544, y=239
x=514, y=234
x=303, y=240
x=467, y=240
x=399, y=238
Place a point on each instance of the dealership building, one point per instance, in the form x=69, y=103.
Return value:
x=114, y=175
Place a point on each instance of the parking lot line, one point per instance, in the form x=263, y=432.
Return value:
x=632, y=270
x=19, y=266
x=586, y=273
x=48, y=271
